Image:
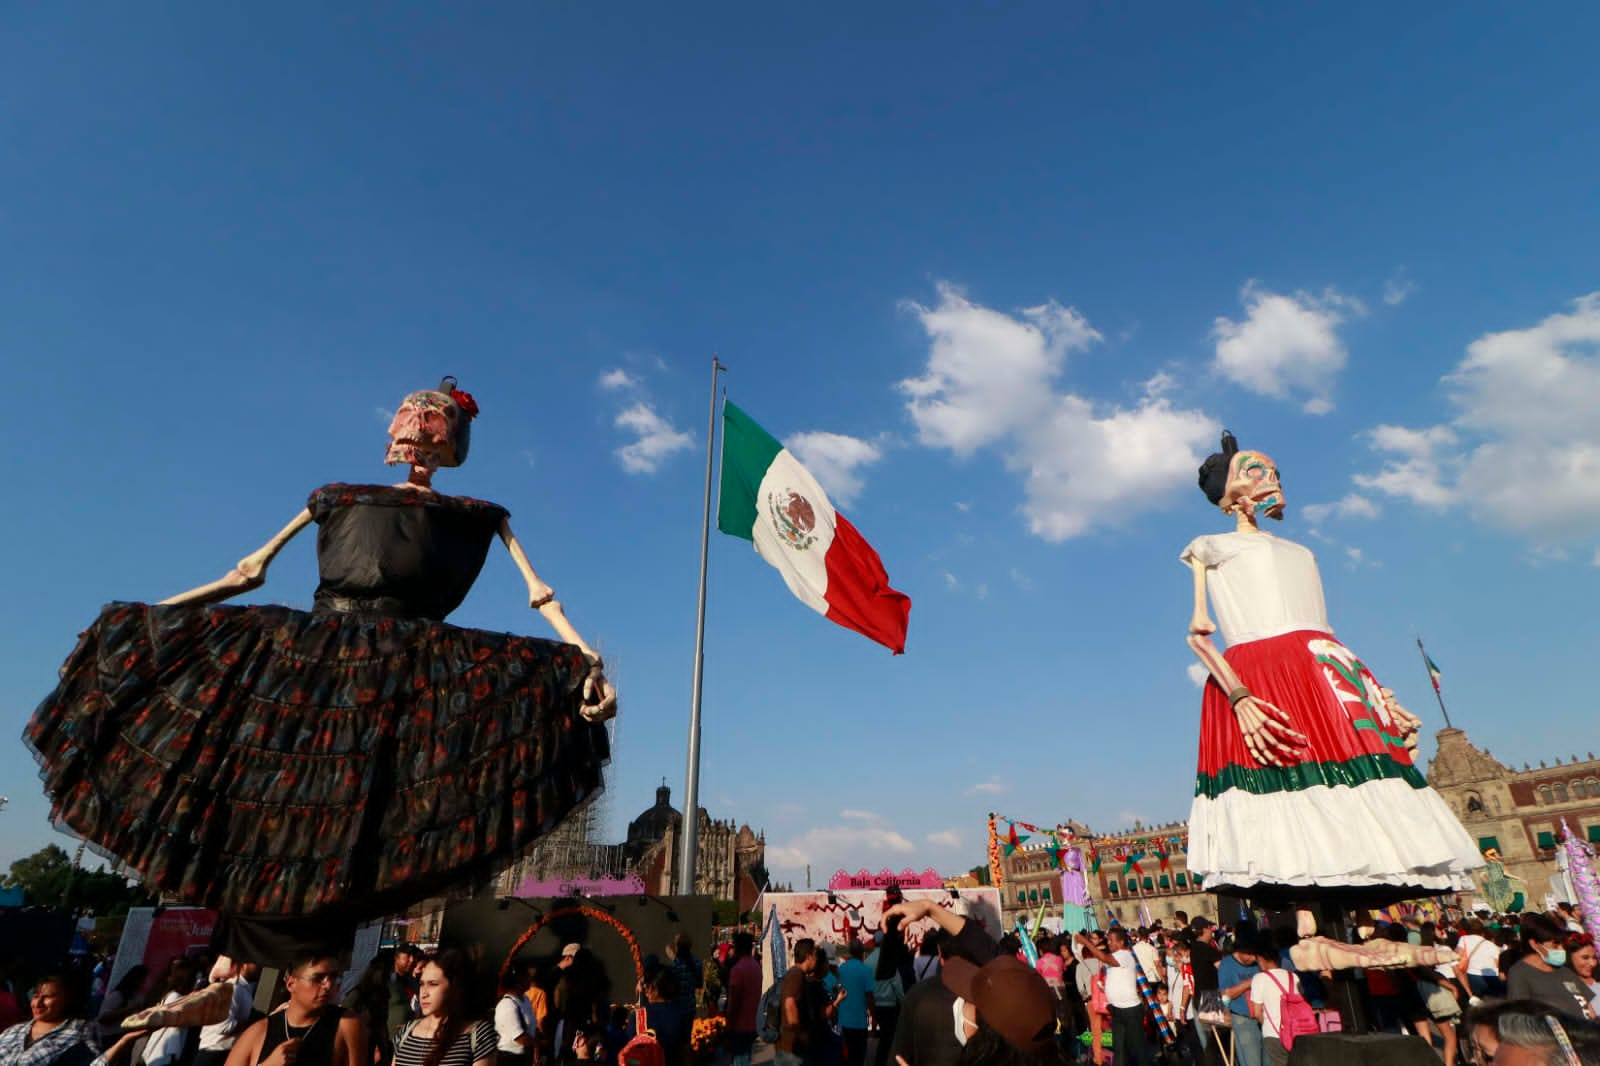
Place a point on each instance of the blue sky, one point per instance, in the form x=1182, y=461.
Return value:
x=1008, y=271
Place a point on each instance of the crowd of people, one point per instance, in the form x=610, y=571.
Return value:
x=962, y=998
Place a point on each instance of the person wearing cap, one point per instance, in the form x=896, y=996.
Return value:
x=933, y=1029
x=402, y=985
x=1004, y=1011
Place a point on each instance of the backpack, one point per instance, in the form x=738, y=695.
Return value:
x=643, y=1049
x=771, y=1013
x=1295, y=1016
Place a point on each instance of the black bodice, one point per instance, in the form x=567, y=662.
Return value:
x=397, y=552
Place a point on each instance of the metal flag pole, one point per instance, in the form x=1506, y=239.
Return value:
x=691, y=790
x=1427, y=665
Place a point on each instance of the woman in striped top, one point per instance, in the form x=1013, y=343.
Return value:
x=444, y=1035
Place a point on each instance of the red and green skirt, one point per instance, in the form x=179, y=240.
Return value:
x=1352, y=811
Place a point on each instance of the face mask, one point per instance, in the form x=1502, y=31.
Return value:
x=961, y=1021
x=1557, y=958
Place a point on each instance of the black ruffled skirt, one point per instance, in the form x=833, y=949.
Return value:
x=263, y=760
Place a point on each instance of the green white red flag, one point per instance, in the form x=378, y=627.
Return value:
x=769, y=498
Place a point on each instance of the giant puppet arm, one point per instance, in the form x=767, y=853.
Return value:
x=1268, y=733
x=599, y=697
x=249, y=573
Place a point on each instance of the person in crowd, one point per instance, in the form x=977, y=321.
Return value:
x=1234, y=974
x=664, y=1015
x=403, y=985
x=311, y=1029
x=369, y=1001
x=1267, y=990
x=1005, y=1013
x=923, y=1036
x=1582, y=958
x=1524, y=1032
x=125, y=997
x=577, y=997
x=52, y=1035
x=1439, y=987
x=1478, y=961
x=796, y=1027
x=687, y=974
x=1395, y=996
x=165, y=1047
x=1204, y=959
x=1092, y=987
x=744, y=999
x=926, y=964
x=216, y=1040
x=855, y=1009
x=445, y=1034
x=1542, y=973
x=515, y=1028
x=889, y=968
x=826, y=993
x=1128, y=1043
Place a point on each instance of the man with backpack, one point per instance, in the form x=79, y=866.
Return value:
x=1276, y=1002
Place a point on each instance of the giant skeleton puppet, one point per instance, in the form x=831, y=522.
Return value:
x=1306, y=788
x=344, y=762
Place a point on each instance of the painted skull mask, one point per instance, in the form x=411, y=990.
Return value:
x=1253, y=483
x=429, y=430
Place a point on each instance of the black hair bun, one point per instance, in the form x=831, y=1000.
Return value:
x=1214, y=471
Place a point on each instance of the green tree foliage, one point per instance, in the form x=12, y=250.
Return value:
x=48, y=879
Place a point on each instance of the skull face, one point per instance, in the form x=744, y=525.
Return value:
x=1253, y=483
x=425, y=431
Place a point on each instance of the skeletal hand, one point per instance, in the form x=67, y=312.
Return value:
x=1268, y=733
x=1410, y=725
x=599, y=697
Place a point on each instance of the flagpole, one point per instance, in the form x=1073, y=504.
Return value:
x=691, y=790
x=1426, y=665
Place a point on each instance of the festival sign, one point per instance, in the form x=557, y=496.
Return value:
x=154, y=936
x=885, y=879
x=556, y=888
x=843, y=916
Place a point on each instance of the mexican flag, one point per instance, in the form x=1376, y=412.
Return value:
x=767, y=497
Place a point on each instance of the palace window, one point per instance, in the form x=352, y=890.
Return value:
x=1561, y=792
x=1485, y=843
x=1183, y=880
x=1149, y=884
x=1112, y=884
x=1546, y=795
x=1164, y=881
x=1594, y=834
x=1547, y=839
x=1594, y=787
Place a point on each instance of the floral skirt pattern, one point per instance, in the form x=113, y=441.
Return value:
x=263, y=760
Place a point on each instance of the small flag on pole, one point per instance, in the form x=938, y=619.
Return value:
x=1433, y=671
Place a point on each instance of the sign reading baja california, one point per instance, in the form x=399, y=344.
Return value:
x=884, y=879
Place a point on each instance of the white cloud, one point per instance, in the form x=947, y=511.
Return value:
x=1351, y=505
x=945, y=838
x=1286, y=346
x=1523, y=452
x=385, y=415
x=1354, y=556
x=993, y=787
x=988, y=371
x=951, y=581
x=835, y=460
x=990, y=380
x=840, y=846
x=861, y=816
x=657, y=440
x=618, y=379
x=1397, y=289
x=1021, y=580
x=1418, y=465
x=1198, y=674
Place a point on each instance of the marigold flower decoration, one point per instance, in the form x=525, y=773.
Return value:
x=706, y=1034
x=588, y=912
x=464, y=400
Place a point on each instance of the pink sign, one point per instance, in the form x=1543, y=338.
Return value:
x=885, y=879
x=581, y=886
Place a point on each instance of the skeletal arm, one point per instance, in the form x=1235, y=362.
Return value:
x=249, y=573
x=599, y=697
x=1268, y=733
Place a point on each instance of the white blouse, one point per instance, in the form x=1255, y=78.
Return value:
x=1261, y=585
